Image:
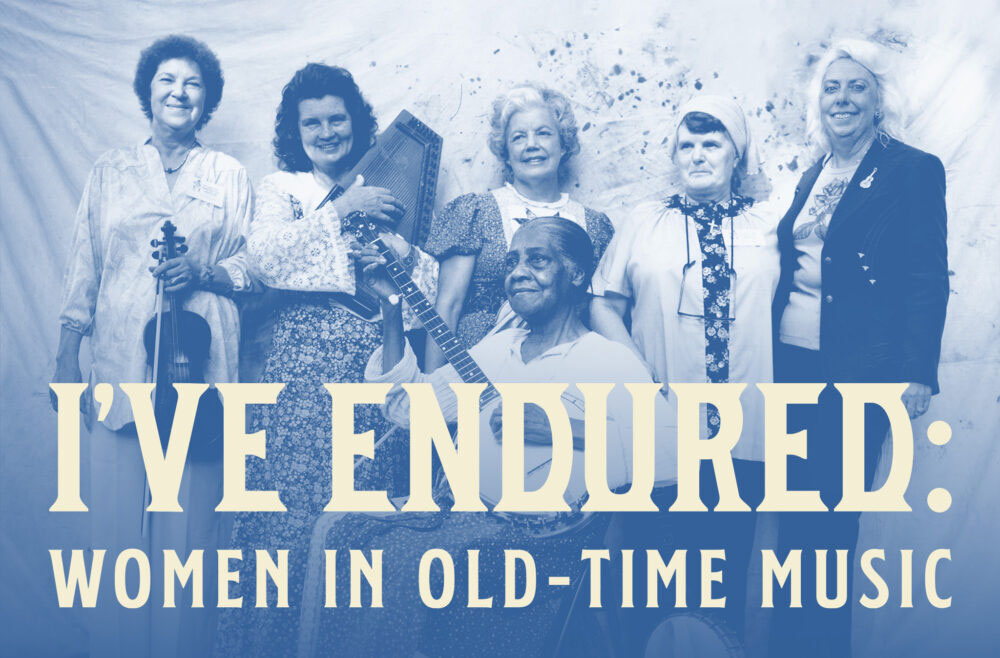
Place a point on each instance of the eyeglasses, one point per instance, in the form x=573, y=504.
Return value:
x=689, y=304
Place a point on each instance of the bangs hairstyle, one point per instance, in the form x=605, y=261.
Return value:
x=176, y=46
x=317, y=81
x=527, y=96
x=702, y=123
x=875, y=59
x=573, y=244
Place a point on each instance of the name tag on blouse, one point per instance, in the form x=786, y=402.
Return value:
x=749, y=238
x=207, y=192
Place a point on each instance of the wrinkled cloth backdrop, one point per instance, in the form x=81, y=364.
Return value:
x=66, y=95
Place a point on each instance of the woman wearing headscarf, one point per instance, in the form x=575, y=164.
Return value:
x=696, y=272
x=110, y=294
x=862, y=298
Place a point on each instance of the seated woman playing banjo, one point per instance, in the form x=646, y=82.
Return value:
x=548, y=270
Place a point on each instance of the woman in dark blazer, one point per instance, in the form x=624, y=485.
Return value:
x=861, y=298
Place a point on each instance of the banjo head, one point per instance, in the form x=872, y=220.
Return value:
x=692, y=634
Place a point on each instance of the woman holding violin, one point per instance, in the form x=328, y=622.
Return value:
x=112, y=292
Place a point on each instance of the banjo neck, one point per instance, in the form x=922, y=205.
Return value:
x=436, y=327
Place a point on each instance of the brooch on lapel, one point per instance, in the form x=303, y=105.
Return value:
x=866, y=183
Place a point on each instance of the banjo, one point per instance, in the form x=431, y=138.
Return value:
x=537, y=457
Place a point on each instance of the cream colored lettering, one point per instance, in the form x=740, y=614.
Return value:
x=237, y=445
x=709, y=576
x=779, y=445
x=347, y=445
x=164, y=469
x=930, y=578
x=639, y=496
x=511, y=559
x=595, y=556
x=881, y=588
x=192, y=570
x=774, y=570
x=891, y=496
x=822, y=595
x=549, y=497
x=459, y=460
x=657, y=572
x=121, y=572
x=424, y=578
x=226, y=576
x=372, y=574
x=692, y=450
x=88, y=583
x=276, y=572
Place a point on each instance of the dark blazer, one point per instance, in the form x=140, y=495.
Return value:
x=884, y=268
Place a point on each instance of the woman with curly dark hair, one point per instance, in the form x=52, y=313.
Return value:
x=109, y=295
x=323, y=127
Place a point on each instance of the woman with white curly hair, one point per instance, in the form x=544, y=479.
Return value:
x=534, y=135
x=862, y=297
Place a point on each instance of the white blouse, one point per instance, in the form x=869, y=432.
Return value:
x=109, y=293
x=644, y=263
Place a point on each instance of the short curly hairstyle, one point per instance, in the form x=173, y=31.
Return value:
x=531, y=95
x=316, y=81
x=177, y=46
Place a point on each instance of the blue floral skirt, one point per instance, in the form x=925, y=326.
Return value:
x=314, y=343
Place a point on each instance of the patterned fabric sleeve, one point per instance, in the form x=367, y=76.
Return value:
x=457, y=230
x=296, y=248
x=601, y=230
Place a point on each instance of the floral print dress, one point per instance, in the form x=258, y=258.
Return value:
x=315, y=341
x=473, y=224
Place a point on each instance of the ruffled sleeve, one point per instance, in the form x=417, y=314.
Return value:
x=296, y=248
x=458, y=229
x=601, y=230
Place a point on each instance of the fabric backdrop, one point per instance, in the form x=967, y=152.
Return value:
x=66, y=97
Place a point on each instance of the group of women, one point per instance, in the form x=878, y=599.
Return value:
x=699, y=286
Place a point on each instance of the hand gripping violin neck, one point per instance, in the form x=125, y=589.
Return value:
x=178, y=344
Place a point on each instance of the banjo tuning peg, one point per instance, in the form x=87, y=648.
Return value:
x=182, y=249
x=156, y=255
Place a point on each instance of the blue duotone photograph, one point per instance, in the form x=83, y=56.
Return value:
x=597, y=329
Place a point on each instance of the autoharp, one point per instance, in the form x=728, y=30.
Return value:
x=405, y=160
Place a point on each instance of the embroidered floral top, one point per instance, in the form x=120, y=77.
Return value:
x=109, y=293
x=294, y=246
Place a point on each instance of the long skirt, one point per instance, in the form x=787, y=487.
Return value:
x=314, y=343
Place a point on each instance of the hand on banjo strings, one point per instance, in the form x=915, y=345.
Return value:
x=377, y=203
x=178, y=273
x=536, y=424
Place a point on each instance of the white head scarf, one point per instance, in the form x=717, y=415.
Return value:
x=730, y=114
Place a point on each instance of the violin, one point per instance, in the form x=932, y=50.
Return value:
x=177, y=345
